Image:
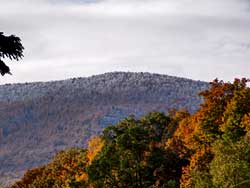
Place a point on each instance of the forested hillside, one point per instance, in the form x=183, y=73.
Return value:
x=39, y=119
x=207, y=149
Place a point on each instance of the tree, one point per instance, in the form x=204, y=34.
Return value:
x=66, y=170
x=231, y=164
x=223, y=115
x=10, y=47
x=134, y=155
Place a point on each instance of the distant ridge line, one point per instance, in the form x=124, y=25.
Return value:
x=101, y=74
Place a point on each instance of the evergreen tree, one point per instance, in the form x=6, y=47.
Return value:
x=10, y=47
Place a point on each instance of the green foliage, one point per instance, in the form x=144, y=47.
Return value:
x=231, y=164
x=201, y=179
x=134, y=155
x=236, y=109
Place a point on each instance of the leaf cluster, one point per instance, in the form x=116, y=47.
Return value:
x=10, y=47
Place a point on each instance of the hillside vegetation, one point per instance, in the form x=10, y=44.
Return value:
x=207, y=149
x=39, y=119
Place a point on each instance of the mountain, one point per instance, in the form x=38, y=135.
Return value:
x=38, y=119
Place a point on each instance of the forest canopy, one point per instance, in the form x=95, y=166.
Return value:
x=207, y=149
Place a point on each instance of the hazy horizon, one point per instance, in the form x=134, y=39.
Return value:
x=200, y=40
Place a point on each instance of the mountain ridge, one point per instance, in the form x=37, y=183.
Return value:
x=39, y=119
x=5, y=88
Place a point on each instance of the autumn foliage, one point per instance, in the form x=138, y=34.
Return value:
x=207, y=149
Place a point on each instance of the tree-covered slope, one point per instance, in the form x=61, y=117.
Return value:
x=207, y=149
x=38, y=119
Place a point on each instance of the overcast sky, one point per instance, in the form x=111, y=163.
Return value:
x=198, y=39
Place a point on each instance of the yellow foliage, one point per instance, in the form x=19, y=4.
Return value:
x=245, y=123
x=95, y=145
x=81, y=177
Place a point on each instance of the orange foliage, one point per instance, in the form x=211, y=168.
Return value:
x=198, y=162
x=245, y=123
x=223, y=102
x=95, y=145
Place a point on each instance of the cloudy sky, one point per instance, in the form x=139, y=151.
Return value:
x=198, y=39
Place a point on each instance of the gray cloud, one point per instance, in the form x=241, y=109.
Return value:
x=196, y=39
